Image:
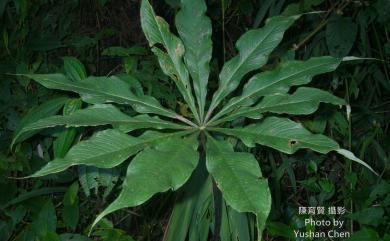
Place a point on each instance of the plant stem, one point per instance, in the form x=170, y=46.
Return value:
x=319, y=27
x=217, y=212
x=349, y=117
x=217, y=197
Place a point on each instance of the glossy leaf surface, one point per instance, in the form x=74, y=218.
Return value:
x=100, y=114
x=167, y=165
x=283, y=135
x=238, y=176
x=156, y=30
x=254, y=47
x=194, y=28
x=279, y=80
x=98, y=90
x=105, y=149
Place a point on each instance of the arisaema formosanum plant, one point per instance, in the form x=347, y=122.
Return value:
x=175, y=150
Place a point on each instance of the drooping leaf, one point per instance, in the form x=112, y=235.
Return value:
x=74, y=69
x=156, y=30
x=287, y=136
x=349, y=155
x=303, y=101
x=279, y=80
x=98, y=90
x=96, y=115
x=238, y=176
x=105, y=149
x=165, y=166
x=195, y=30
x=283, y=135
x=46, y=109
x=254, y=47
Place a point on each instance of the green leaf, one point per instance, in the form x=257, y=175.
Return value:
x=70, y=197
x=74, y=69
x=276, y=229
x=340, y=35
x=369, y=216
x=96, y=115
x=48, y=108
x=46, y=219
x=74, y=237
x=287, y=136
x=145, y=121
x=349, y=155
x=238, y=176
x=97, y=90
x=283, y=135
x=195, y=30
x=32, y=194
x=303, y=101
x=365, y=234
x=105, y=149
x=165, y=166
x=70, y=213
x=190, y=212
x=98, y=179
x=279, y=80
x=254, y=47
x=156, y=30
x=49, y=236
x=65, y=139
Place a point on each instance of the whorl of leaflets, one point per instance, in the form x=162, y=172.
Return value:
x=166, y=153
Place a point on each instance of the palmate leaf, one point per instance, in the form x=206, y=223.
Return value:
x=98, y=90
x=279, y=80
x=238, y=176
x=195, y=30
x=96, y=115
x=254, y=47
x=303, y=101
x=165, y=161
x=165, y=166
x=156, y=30
x=105, y=149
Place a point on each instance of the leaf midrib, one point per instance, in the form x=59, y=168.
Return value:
x=250, y=94
x=230, y=132
x=238, y=179
x=116, y=96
